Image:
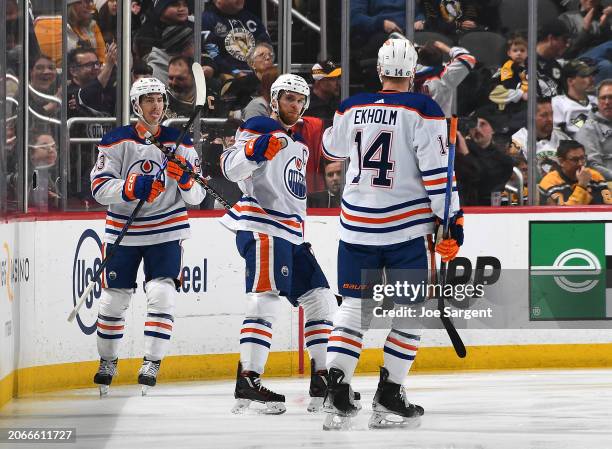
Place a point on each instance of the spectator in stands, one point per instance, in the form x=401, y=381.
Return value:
x=82, y=30
x=334, y=183
x=591, y=28
x=260, y=106
x=494, y=166
x=325, y=93
x=572, y=183
x=43, y=78
x=450, y=16
x=92, y=90
x=138, y=16
x=44, y=191
x=373, y=20
x=570, y=110
x=547, y=138
x=513, y=86
x=440, y=80
x=141, y=69
x=236, y=93
x=177, y=40
x=107, y=19
x=181, y=87
x=229, y=33
x=165, y=13
x=553, y=40
x=596, y=134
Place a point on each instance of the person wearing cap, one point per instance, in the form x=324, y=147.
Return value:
x=82, y=30
x=570, y=111
x=596, y=134
x=493, y=166
x=177, y=40
x=325, y=90
x=553, y=40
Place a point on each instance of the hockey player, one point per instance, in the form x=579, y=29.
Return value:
x=395, y=183
x=268, y=161
x=129, y=169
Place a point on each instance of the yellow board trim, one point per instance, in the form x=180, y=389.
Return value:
x=38, y=379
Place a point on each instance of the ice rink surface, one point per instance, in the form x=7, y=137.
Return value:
x=549, y=409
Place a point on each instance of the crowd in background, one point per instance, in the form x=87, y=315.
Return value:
x=472, y=60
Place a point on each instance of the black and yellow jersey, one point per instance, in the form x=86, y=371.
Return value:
x=556, y=188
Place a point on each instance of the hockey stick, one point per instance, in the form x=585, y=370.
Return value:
x=451, y=330
x=200, y=83
x=111, y=251
x=197, y=177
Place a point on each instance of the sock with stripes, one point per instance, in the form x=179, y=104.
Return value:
x=255, y=342
x=114, y=303
x=157, y=333
x=399, y=353
x=316, y=334
x=343, y=351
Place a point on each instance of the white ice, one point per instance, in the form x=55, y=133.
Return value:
x=550, y=409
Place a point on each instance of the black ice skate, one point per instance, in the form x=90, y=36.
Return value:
x=339, y=403
x=249, y=389
x=390, y=408
x=104, y=376
x=318, y=387
x=147, y=376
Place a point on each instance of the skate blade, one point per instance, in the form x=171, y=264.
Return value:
x=316, y=405
x=104, y=389
x=269, y=408
x=144, y=389
x=387, y=420
x=333, y=421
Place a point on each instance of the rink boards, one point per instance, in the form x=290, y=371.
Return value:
x=45, y=265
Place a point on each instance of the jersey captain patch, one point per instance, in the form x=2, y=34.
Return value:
x=295, y=180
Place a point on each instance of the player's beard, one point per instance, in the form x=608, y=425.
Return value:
x=286, y=120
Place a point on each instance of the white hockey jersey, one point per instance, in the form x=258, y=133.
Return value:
x=122, y=152
x=570, y=115
x=396, y=179
x=274, y=200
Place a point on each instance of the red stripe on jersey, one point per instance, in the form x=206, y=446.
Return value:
x=424, y=210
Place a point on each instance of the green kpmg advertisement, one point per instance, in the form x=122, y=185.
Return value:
x=567, y=270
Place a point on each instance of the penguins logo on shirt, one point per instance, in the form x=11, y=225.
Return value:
x=295, y=178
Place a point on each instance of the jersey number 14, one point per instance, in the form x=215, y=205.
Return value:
x=376, y=157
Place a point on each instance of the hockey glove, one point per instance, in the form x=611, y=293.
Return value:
x=142, y=187
x=182, y=177
x=262, y=149
x=449, y=247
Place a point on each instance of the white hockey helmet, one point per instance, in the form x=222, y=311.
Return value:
x=146, y=86
x=290, y=83
x=397, y=58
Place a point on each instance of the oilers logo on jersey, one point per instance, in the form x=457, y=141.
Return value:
x=146, y=167
x=295, y=179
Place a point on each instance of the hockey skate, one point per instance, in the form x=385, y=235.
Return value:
x=390, y=408
x=249, y=389
x=147, y=376
x=339, y=403
x=318, y=386
x=104, y=376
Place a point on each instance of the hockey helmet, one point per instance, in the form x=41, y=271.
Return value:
x=290, y=83
x=397, y=58
x=146, y=86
